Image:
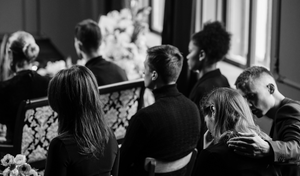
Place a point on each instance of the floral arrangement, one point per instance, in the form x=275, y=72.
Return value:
x=17, y=166
x=124, y=38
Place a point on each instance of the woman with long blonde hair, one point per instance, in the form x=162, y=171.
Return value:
x=226, y=115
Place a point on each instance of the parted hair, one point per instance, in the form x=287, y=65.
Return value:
x=166, y=60
x=23, y=48
x=249, y=74
x=214, y=40
x=232, y=113
x=73, y=94
x=89, y=34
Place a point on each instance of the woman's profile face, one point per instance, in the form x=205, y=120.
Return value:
x=193, y=56
x=210, y=120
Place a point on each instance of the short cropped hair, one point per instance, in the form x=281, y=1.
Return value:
x=73, y=94
x=89, y=34
x=166, y=60
x=214, y=40
x=249, y=74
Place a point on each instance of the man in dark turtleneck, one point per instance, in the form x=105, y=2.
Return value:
x=167, y=130
x=87, y=43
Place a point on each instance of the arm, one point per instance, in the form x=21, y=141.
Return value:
x=286, y=144
x=133, y=144
x=250, y=145
x=56, y=158
x=286, y=138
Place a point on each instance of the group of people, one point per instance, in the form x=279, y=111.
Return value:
x=216, y=119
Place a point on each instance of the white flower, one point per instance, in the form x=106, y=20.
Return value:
x=20, y=159
x=125, y=14
x=124, y=39
x=14, y=172
x=7, y=160
x=24, y=169
x=6, y=172
x=32, y=172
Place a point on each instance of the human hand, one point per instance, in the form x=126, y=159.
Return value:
x=250, y=145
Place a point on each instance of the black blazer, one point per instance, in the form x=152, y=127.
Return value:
x=106, y=72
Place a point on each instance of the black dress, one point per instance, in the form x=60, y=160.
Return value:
x=26, y=84
x=64, y=159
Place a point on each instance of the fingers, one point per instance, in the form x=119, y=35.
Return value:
x=242, y=146
x=248, y=154
x=241, y=139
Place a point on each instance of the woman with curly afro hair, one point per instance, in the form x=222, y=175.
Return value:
x=206, y=48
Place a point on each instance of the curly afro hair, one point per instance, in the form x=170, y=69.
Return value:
x=214, y=40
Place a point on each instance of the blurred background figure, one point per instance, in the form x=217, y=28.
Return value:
x=25, y=83
x=87, y=43
x=85, y=145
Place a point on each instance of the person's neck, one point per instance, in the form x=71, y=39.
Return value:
x=160, y=84
x=26, y=67
x=207, y=69
x=89, y=56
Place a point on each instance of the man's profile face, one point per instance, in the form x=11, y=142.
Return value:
x=258, y=97
x=147, y=75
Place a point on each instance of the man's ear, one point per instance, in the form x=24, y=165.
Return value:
x=80, y=46
x=154, y=75
x=202, y=55
x=271, y=88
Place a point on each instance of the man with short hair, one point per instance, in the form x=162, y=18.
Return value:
x=87, y=43
x=258, y=86
x=167, y=130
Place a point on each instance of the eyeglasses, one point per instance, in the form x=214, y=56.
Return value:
x=208, y=110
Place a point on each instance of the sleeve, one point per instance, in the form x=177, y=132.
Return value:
x=132, y=146
x=286, y=146
x=209, y=164
x=56, y=159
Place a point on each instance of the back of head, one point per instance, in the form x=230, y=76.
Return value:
x=248, y=75
x=167, y=61
x=22, y=48
x=232, y=113
x=214, y=40
x=89, y=34
x=73, y=94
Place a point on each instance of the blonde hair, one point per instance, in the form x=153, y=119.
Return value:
x=23, y=48
x=232, y=113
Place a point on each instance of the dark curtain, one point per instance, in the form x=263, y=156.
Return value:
x=177, y=29
x=109, y=5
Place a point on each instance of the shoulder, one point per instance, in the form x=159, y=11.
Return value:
x=56, y=144
x=290, y=109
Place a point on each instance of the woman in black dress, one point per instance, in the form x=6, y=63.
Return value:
x=85, y=145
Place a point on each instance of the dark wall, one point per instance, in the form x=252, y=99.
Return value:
x=54, y=19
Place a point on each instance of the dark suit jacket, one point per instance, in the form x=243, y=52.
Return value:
x=166, y=130
x=106, y=72
x=219, y=160
x=285, y=135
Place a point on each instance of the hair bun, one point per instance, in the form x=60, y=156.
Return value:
x=31, y=50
